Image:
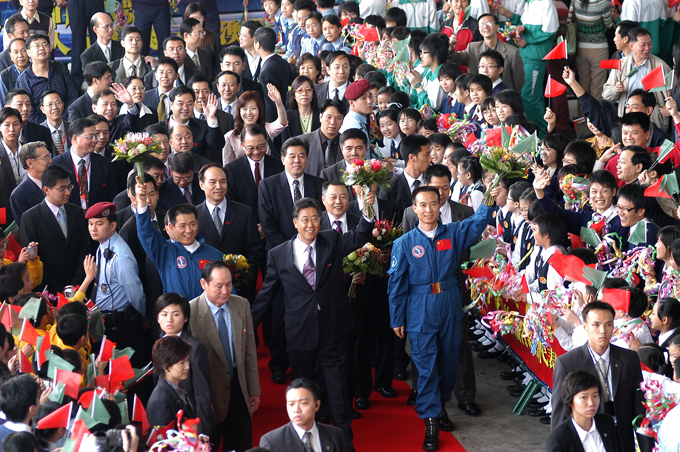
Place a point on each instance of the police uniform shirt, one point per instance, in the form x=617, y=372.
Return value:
x=118, y=280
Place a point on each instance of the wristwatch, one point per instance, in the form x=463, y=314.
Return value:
x=417, y=85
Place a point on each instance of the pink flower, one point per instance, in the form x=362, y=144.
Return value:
x=376, y=164
x=375, y=233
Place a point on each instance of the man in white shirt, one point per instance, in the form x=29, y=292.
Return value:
x=228, y=85
x=335, y=198
x=35, y=158
x=246, y=40
x=53, y=108
x=338, y=72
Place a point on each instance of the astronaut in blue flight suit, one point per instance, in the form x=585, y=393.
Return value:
x=426, y=302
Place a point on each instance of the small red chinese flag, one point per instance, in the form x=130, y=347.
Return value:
x=25, y=366
x=480, y=272
x=28, y=333
x=525, y=286
x=554, y=88
x=106, y=350
x=370, y=34
x=569, y=266
x=655, y=191
x=42, y=352
x=618, y=298
x=558, y=53
x=120, y=369
x=139, y=414
x=576, y=241
x=611, y=64
x=56, y=419
x=71, y=381
x=654, y=79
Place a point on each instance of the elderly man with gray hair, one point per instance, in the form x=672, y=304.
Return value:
x=35, y=158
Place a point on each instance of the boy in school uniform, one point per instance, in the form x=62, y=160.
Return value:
x=548, y=231
x=523, y=236
x=448, y=74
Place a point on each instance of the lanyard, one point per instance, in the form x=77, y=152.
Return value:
x=87, y=170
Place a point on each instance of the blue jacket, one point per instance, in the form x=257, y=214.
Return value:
x=179, y=269
x=418, y=262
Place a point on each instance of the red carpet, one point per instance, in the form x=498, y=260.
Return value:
x=388, y=425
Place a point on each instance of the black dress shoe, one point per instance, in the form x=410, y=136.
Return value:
x=354, y=414
x=279, y=377
x=386, y=391
x=483, y=348
x=411, y=401
x=362, y=403
x=519, y=387
x=535, y=404
x=545, y=420
x=431, y=442
x=400, y=375
x=537, y=413
x=511, y=375
x=471, y=409
x=489, y=355
x=445, y=424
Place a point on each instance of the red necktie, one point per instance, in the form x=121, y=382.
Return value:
x=257, y=174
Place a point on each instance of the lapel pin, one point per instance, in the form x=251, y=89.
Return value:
x=604, y=434
x=243, y=331
x=616, y=365
x=329, y=265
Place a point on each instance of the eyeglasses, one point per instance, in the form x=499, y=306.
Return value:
x=486, y=66
x=259, y=147
x=175, y=49
x=198, y=33
x=64, y=188
x=304, y=91
x=521, y=210
x=44, y=158
x=106, y=27
x=486, y=24
x=306, y=220
x=182, y=179
x=89, y=137
x=626, y=209
x=39, y=45
x=57, y=104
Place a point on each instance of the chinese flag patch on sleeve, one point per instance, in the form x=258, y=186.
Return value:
x=201, y=263
x=443, y=245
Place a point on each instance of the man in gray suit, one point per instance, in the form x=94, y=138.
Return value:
x=353, y=145
x=324, y=149
x=302, y=433
x=222, y=322
x=513, y=72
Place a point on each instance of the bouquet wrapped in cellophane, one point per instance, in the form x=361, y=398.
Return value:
x=366, y=260
x=367, y=174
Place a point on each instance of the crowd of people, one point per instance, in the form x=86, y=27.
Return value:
x=106, y=273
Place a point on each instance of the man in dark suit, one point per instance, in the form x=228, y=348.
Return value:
x=207, y=137
x=246, y=41
x=35, y=158
x=324, y=149
x=317, y=312
x=91, y=174
x=353, y=145
x=30, y=131
x=173, y=47
x=10, y=176
x=618, y=370
x=103, y=27
x=157, y=99
x=337, y=65
x=80, y=13
x=61, y=229
x=98, y=77
x=17, y=28
x=227, y=225
x=417, y=161
x=302, y=402
x=201, y=86
x=196, y=58
x=245, y=173
x=182, y=140
x=222, y=322
x=273, y=69
x=233, y=59
x=277, y=194
x=182, y=187
x=105, y=103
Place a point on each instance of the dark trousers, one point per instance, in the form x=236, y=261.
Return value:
x=279, y=359
x=160, y=19
x=373, y=334
x=79, y=14
x=235, y=432
x=330, y=355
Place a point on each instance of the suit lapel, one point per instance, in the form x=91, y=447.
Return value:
x=236, y=328
x=208, y=323
x=229, y=218
x=310, y=190
x=615, y=365
x=322, y=251
x=95, y=173
x=6, y=165
x=293, y=443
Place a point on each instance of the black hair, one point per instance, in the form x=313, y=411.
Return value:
x=648, y=99
x=597, y=306
x=73, y=357
x=651, y=355
x=436, y=170
x=459, y=154
x=349, y=134
x=78, y=126
x=187, y=26
x=71, y=328
x=558, y=142
x=151, y=162
x=313, y=15
x=570, y=169
x=494, y=55
x=253, y=130
x=44, y=434
x=182, y=163
x=483, y=81
x=641, y=156
x=413, y=144
x=96, y=70
x=167, y=61
x=575, y=382
x=180, y=209
x=304, y=383
x=409, y=112
x=334, y=56
x=511, y=98
x=587, y=255
x=668, y=234
x=552, y=225
x=463, y=82
x=328, y=103
x=489, y=103
x=638, y=301
x=51, y=91
x=168, y=351
x=306, y=203
x=132, y=182
x=437, y=44
x=297, y=83
x=471, y=165
x=376, y=79
x=375, y=20
x=450, y=70
x=441, y=139
x=327, y=4
x=17, y=395
x=129, y=30
x=398, y=16
x=428, y=124
x=20, y=442
x=74, y=308
x=401, y=98
x=207, y=271
x=206, y=167
x=23, y=298
x=675, y=250
x=625, y=26
x=10, y=285
x=172, y=38
x=349, y=6
x=11, y=23
x=636, y=118
x=635, y=194
x=294, y=142
x=424, y=189
x=332, y=183
x=535, y=210
x=636, y=32
x=15, y=92
x=669, y=308
x=614, y=283
x=8, y=112
x=604, y=178
x=233, y=50
x=583, y=153
x=35, y=37
x=266, y=37
x=180, y=91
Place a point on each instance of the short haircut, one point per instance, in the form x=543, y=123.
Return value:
x=635, y=194
x=441, y=139
x=637, y=32
x=377, y=79
x=128, y=31
x=168, y=351
x=20, y=442
x=306, y=203
x=437, y=44
x=400, y=33
x=231, y=73
x=17, y=394
x=494, y=18
x=331, y=103
x=396, y=15
x=71, y=328
x=641, y=156
x=603, y=178
x=252, y=130
x=353, y=134
x=207, y=271
x=375, y=20
x=233, y=50
x=587, y=255
x=512, y=99
x=315, y=15
x=198, y=79
x=459, y=154
x=36, y=37
x=424, y=189
x=99, y=95
x=78, y=126
x=266, y=37
x=294, y=142
x=463, y=81
x=187, y=26
x=151, y=162
x=334, y=56
x=206, y=167
x=552, y=225
x=669, y=308
x=16, y=40
x=471, y=165
x=575, y=382
x=180, y=91
x=11, y=23
x=436, y=170
x=182, y=163
x=180, y=209
x=10, y=285
x=9, y=112
x=625, y=26
x=638, y=301
x=167, y=61
x=96, y=70
x=483, y=81
x=304, y=383
x=401, y=100
x=535, y=209
x=157, y=128
x=517, y=189
x=332, y=183
x=330, y=18
x=413, y=144
x=636, y=118
x=48, y=93
x=11, y=94
x=597, y=306
x=583, y=153
x=173, y=38
x=648, y=99
x=493, y=55
x=27, y=152
x=53, y=175
x=349, y=6
x=44, y=434
x=675, y=250
x=132, y=182
x=72, y=309
x=428, y=124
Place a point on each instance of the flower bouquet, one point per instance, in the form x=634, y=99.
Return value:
x=384, y=233
x=512, y=33
x=367, y=174
x=240, y=269
x=134, y=148
x=457, y=129
x=575, y=191
x=366, y=260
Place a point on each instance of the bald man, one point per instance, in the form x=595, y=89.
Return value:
x=102, y=25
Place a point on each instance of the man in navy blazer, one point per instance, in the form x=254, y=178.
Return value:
x=35, y=158
x=103, y=27
x=98, y=78
x=273, y=69
x=97, y=170
x=173, y=189
x=237, y=232
x=416, y=152
x=241, y=179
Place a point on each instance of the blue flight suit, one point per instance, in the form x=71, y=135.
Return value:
x=432, y=321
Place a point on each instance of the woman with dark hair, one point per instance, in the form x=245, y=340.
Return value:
x=389, y=148
x=250, y=110
x=552, y=151
x=508, y=102
x=135, y=86
x=303, y=108
x=171, y=364
x=665, y=320
x=425, y=88
x=10, y=129
x=210, y=23
x=20, y=442
x=310, y=66
x=173, y=313
x=585, y=428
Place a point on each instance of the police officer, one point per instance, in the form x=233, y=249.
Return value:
x=118, y=291
x=425, y=301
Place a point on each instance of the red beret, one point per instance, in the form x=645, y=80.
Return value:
x=100, y=210
x=357, y=89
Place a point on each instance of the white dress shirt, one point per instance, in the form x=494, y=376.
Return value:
x=15, y=163
x=410, y=180
x=104, y=48
x=64, y=134
x=224, y=105
x=300, y=255
x=342, y=219
x=553, y=279
x=138, y=63
x=54, y=209
x=607, y=364
x=222, y=206
x=341, y=90
x=591, y=440
x=253, y=61
x=76, y=161
x=445, y=213
x=292, y=187
x=252, y=167
x=315, y=440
